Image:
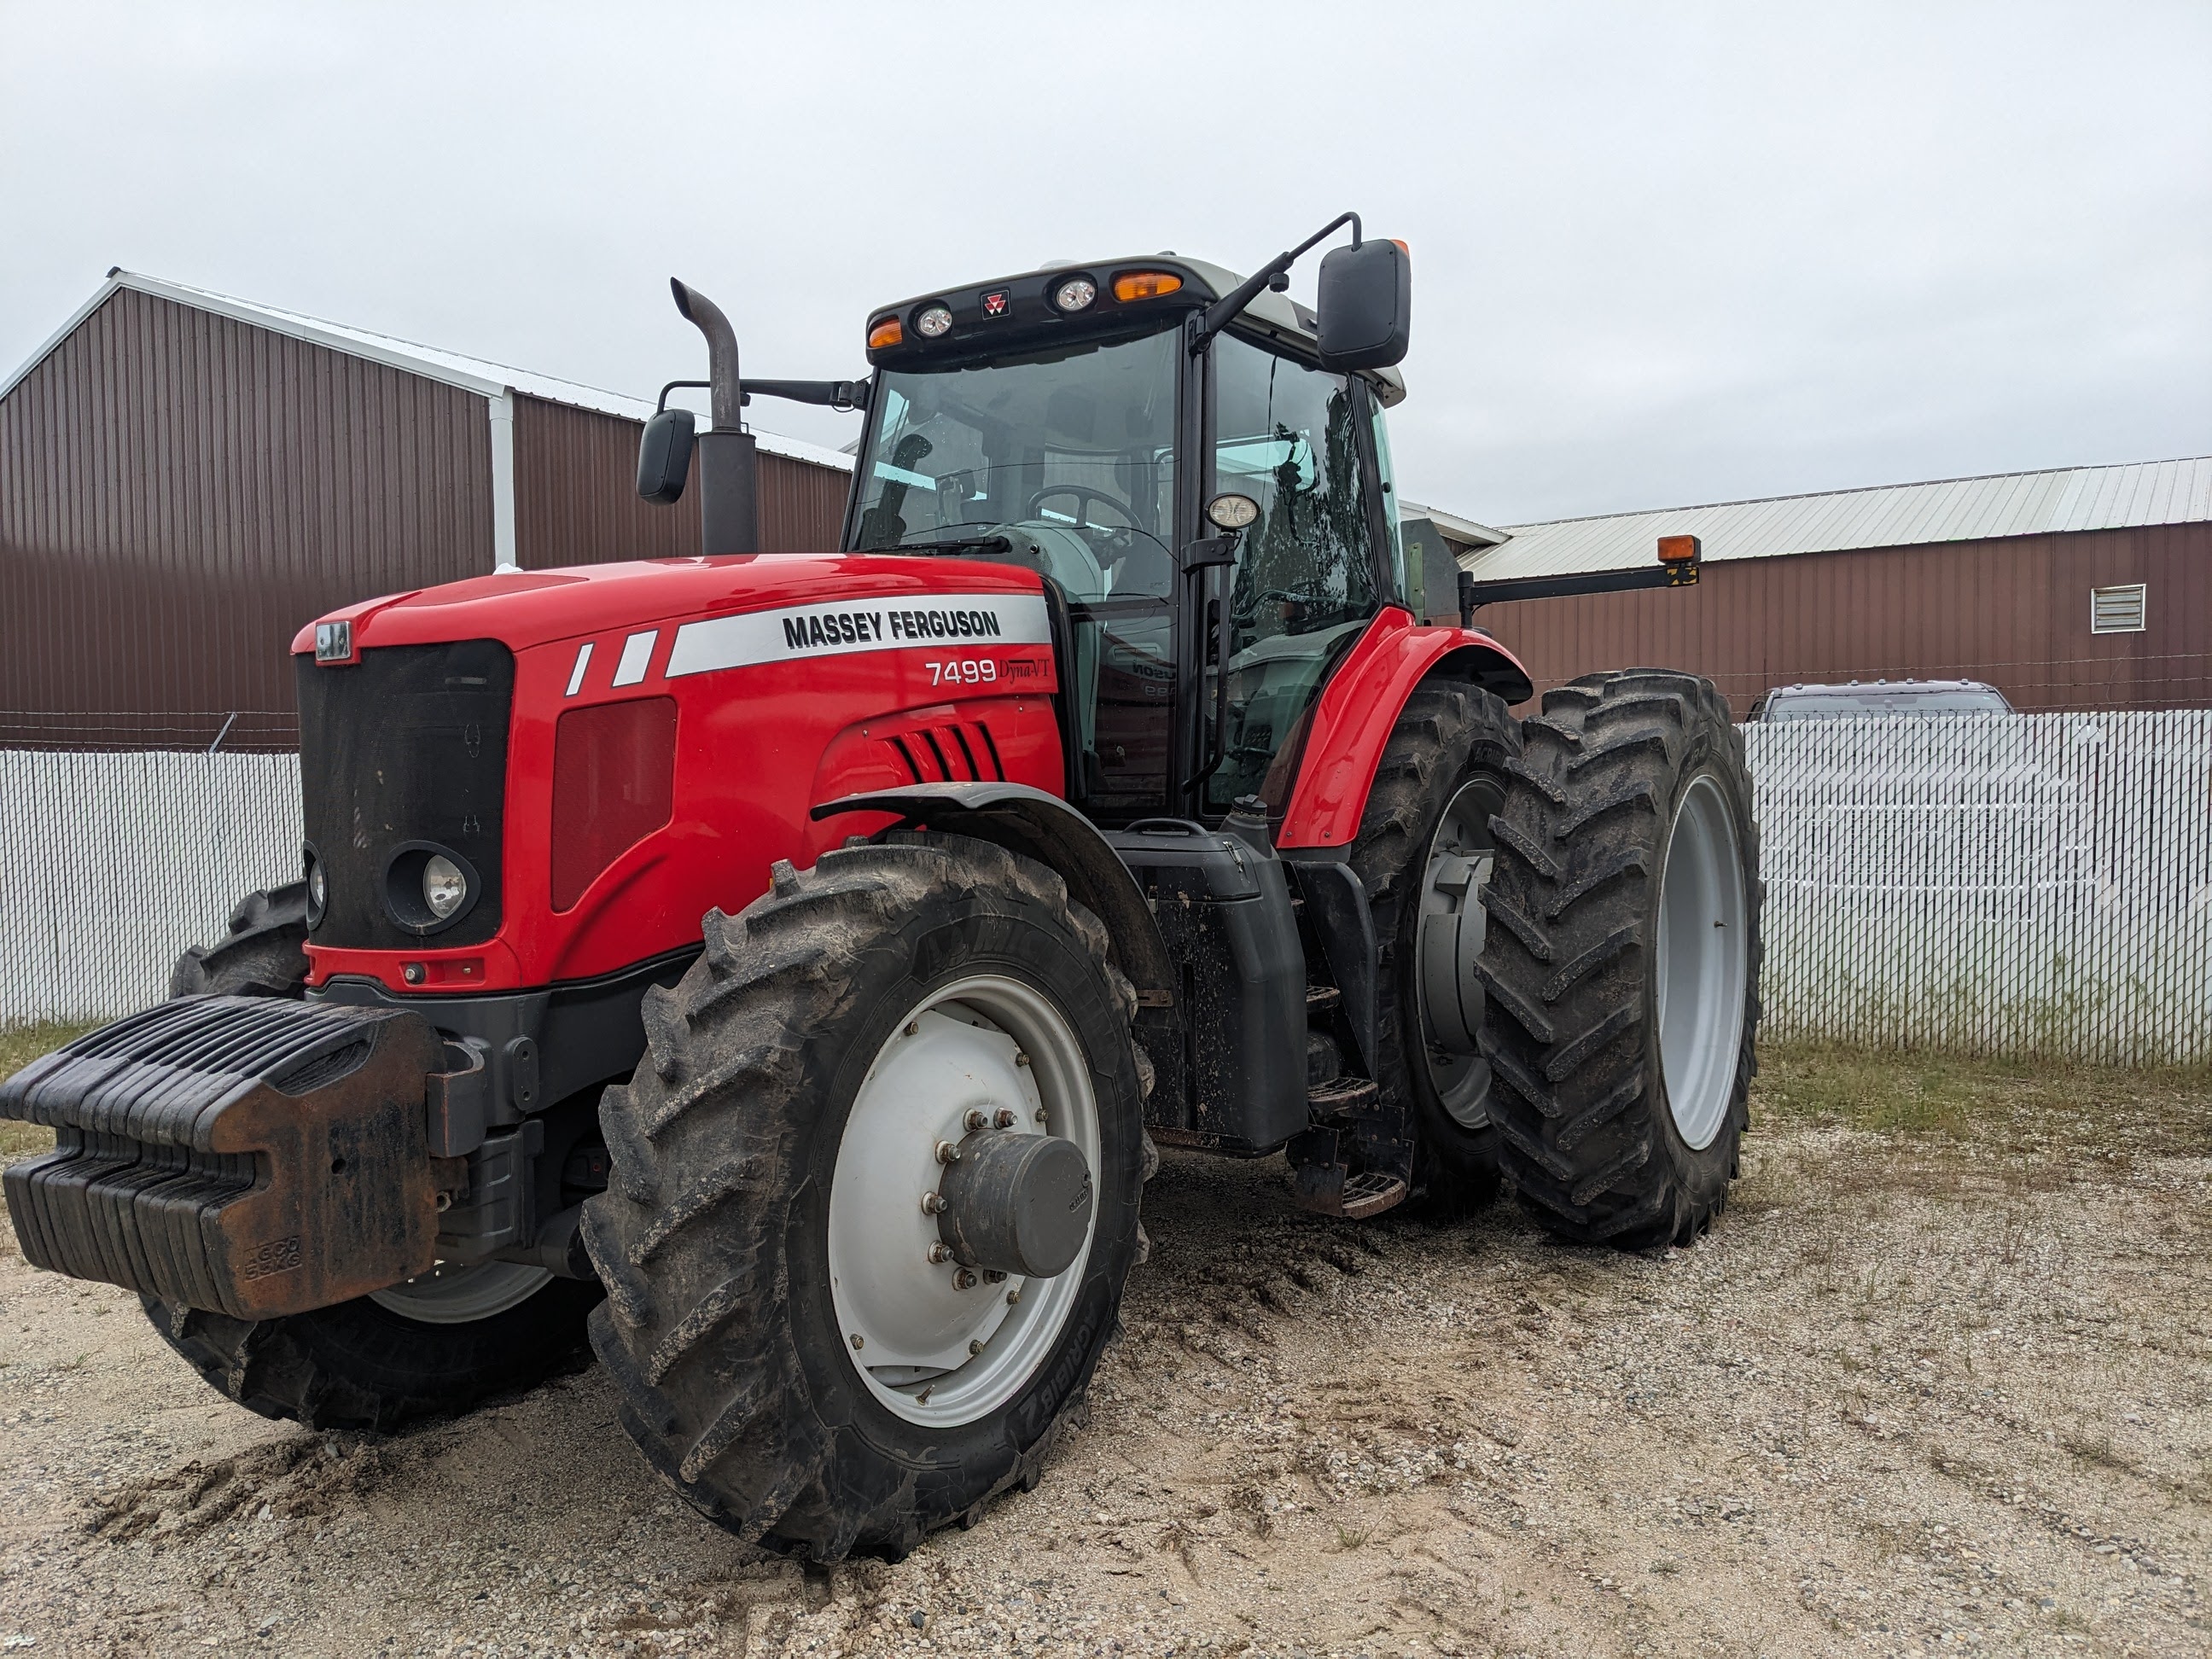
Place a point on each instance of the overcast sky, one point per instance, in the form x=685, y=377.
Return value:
x=1662, y=254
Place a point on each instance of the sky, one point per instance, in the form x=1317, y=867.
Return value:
x=1662, y=254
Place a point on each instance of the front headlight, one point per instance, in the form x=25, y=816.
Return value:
x=444, y=886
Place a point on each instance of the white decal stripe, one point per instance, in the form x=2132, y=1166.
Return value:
x=944, y=621
x=576, y=674
x=637, y=652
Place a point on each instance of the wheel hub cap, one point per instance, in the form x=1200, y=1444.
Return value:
x=990, y=1062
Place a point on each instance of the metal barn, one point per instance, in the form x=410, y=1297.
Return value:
x=186, y=478
x=2085, y=587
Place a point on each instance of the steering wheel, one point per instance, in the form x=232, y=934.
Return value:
x=1083, y=494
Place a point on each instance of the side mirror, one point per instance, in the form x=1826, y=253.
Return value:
x=1365, y=306
x=664, y=458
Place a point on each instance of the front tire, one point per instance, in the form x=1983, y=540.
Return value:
x=1622, y=959
x=785, y=1348
x=430, y=1347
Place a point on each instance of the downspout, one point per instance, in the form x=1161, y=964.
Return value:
x=502, y=481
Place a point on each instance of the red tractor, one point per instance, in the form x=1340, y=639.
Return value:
x=783, y=966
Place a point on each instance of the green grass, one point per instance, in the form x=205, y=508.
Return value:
x=1910, y=1095
x=19, y=1046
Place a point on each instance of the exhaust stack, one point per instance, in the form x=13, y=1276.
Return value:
x=729, y=496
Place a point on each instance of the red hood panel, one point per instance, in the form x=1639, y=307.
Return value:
x=537, y=607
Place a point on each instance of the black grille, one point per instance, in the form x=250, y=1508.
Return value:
x=407, y=745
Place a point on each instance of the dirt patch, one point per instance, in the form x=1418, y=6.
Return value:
x=1938, y=1380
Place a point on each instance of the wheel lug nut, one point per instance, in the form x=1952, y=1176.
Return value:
x=1041, y=1117
x=932, y=1203
x=1013, y=1295
x=859, y=1341
x=947, y=1152
x=975, y=1348
x=1005, y=1119
x=1021, y=1059
x=963, y=1280
x=973, y=1121
x=938, y=1252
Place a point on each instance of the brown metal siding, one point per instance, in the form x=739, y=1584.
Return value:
x=180, y=492
x=575, y=495
x=2013, y=612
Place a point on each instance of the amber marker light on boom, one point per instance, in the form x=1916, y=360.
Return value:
x=1145, y=285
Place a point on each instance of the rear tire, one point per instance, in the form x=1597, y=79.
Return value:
x=737, y=1346
x=1449, y=738
x=1627, y=868
x=363, y=1363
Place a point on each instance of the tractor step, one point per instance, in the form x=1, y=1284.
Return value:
x=1370, y=1194
x=1340, y=1100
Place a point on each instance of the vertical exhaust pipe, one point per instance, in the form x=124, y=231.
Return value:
x=729, y=494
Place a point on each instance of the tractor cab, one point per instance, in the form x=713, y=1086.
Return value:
x=1211, y=505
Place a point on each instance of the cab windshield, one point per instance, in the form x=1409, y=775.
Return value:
x=1063, y=462
x=1068, y=456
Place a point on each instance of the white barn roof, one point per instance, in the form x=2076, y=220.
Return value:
x=475, y=374
x=1891, y=516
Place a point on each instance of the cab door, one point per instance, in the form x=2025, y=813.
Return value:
x=1310, y=572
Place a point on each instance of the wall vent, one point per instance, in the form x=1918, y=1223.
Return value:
x=2117, y=610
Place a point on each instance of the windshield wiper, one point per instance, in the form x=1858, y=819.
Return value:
x=981, y=544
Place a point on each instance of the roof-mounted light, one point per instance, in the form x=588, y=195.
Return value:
x=1145, y=285
x=1073, y=295
x=885, y=331
x=932, y=321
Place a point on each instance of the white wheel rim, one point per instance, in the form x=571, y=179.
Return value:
x=1449, y=941
x=1703, y=961
x=928, y=1350
x=460, y=1293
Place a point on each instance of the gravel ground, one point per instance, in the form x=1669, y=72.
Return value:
x=1937, y=1382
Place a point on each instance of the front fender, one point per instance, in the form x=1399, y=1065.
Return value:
x=1047, y=829
x=1355, y=712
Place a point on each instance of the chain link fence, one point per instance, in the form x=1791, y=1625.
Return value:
x=2039, y=884
x=110, y=864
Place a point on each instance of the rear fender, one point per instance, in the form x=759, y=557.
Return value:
x=1355, y=711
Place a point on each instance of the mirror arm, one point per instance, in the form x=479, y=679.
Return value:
x=663, y=403
x=1223, y=311
x=830, y=394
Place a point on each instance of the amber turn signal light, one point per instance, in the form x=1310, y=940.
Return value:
x=1678, y=550
x=887, y=332
x=1145, y=285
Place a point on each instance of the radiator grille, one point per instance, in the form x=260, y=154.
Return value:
x=410, y=744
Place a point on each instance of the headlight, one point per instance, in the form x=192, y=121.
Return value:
x=934, y=321
x=444, y=886
x=1076, y=294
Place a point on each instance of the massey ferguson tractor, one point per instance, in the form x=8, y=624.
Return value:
x=781, y=967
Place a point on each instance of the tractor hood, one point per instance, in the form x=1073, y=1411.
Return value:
x=526, y=608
